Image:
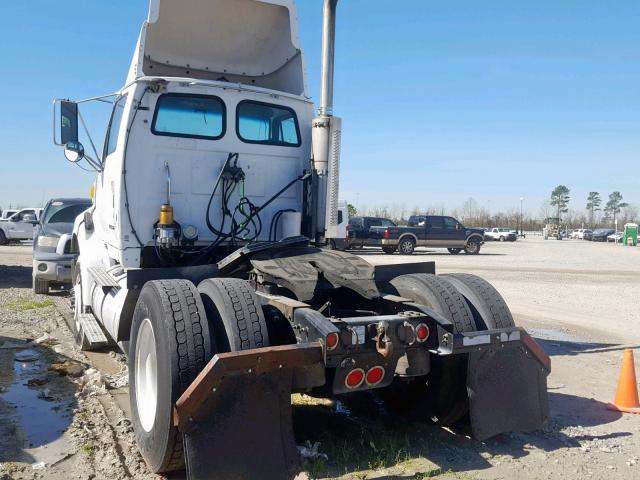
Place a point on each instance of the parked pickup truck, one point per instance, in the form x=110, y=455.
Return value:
x=501, y=234
x=20, y=226
x=431, y=231
x=366, y=231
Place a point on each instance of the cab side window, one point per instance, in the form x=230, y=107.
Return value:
x=436, y=223
x=111, y=142
x=19, y=217
x=450, y=223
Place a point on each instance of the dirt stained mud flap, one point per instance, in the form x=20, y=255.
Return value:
x=235, y=418
x=506, y=382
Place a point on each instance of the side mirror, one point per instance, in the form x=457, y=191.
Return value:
x=65, y=122
x=74, y=151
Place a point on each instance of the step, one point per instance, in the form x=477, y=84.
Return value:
x=94, y=335
x=103, y=278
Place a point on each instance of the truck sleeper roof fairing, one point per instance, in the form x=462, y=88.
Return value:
x=245, y=41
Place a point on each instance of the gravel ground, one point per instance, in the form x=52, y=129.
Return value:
x=578, y=299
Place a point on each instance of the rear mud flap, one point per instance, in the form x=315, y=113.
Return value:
x=244, y=431
x=507, y=389
x=235, y=418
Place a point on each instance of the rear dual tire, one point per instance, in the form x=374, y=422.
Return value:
x=170, y=344
x=176, y=330
x=471, y=304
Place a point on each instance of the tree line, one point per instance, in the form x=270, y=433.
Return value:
x=596, y=214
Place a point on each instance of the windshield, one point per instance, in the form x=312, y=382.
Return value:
x=63, y=212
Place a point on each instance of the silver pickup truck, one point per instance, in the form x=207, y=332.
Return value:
x=20, y=225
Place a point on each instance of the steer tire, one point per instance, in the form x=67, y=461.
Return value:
x=169, y=323
x=444, y=391
x=235, y=314
x=40, y=286
x=406, y=246
x=489, y=309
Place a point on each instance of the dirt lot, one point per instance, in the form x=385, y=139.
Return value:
x=577, y=298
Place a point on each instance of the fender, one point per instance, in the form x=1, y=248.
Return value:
x=408, y=234
x=476, y=237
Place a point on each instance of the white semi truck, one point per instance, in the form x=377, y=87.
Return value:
x=204, y=258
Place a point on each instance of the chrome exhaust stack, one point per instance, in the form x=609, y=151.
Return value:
x=326, y=135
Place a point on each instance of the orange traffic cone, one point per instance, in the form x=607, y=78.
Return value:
x=627, y=393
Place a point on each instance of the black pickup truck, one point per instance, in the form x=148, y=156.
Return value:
x=429, y=231
x=362, y=231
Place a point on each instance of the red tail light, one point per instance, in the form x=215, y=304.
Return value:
x=347, y=234
x=354, y=378
x=386, y=233
x=332, y=341
x=375, y=375
x=422, y=333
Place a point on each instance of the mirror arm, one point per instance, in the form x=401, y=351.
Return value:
x=97, y=166
x=86, y=130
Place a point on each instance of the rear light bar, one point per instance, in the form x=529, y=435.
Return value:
x=386, y=233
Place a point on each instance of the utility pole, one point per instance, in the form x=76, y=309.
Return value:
x=521, y=226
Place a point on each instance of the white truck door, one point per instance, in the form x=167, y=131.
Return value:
x=19, y=228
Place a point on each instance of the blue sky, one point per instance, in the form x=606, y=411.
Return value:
x=441, y=100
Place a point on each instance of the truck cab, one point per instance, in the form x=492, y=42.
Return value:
x=204, y=254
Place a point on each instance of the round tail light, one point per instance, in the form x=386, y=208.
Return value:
x=354, y=378
x=332, y=341
x=375, y=375
x=422, y=332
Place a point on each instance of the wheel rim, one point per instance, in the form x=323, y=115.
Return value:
x=406, y=246
x=473, y=247
x=146, y=375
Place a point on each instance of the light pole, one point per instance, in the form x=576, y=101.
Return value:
x=521, y=227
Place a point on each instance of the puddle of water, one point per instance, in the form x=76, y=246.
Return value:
x=38, y=418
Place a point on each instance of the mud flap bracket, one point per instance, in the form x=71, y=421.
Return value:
x=235, y=417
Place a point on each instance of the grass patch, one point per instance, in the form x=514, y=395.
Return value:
x=89, y=449
x=25, y=304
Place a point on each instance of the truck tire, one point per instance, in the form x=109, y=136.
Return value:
x=489, y=309
x=472, y=247
x=3, y=238
x=406, y=246
x=454, y=251
x=170, y=344
x=389, y=250
x=234, y=313
x=502, y=238
x=77, y=307
x=444, y=392
x=40, y=287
